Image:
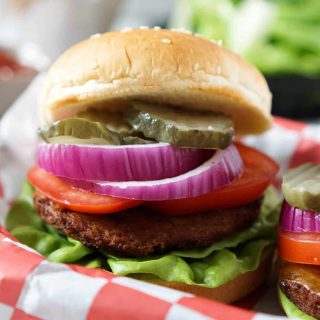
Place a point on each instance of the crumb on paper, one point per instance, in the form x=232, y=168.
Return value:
x=166, y=40
x=126, y=29
x=95, y=36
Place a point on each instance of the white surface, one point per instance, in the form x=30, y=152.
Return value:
x=313, y=132
x=5, y=312
x=18, y=138
x=53, y=25
x=3, y=209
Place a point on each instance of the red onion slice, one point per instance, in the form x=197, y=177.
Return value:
x=297, y=220
x=221, y=169
x=118, y=163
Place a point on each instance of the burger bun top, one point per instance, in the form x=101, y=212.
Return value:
x=158, y=66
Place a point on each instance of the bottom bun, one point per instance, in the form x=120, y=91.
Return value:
x=231, y=291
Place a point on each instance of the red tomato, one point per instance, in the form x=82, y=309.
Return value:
x=299, y=247
x=75, y=199
x=258, y=173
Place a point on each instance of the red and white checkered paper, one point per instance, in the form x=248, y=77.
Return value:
x=33, y=288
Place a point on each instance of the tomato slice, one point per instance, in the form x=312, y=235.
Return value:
x=258, y=173
x=75, y=199
x=299, y=247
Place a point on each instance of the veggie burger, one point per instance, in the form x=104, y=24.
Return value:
x=138, y=172
x=299, y=243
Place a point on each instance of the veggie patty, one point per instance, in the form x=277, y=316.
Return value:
x=140, y=232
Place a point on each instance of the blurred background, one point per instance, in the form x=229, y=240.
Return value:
x=281, y=37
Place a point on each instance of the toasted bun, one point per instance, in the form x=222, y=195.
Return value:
x=231, y=291
x=161, y=66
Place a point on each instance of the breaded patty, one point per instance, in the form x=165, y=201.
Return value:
x=301, y=284
x=140, y=232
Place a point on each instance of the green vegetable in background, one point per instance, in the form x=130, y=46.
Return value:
x=279, y=36
x=211, y=267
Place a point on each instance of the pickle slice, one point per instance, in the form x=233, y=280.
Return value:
x=301, y=187
x=82, y=131
x=79, y=128
x=182, y=128
x=136, y=140
x=114, y=121
x=74, y=140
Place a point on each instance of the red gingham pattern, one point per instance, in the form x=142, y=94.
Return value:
x=23, y=266
x=153, y=308
x=307, y=150
x=24, y=295
x=33, y=288
x=21, y=315
x=288, y=124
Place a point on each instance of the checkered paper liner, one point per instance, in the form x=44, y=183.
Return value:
x=33, y=288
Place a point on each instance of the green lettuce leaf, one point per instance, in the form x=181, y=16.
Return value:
x=291, y=309
x=213, y=271
x=22, y=212
x=210, y=267
x=39, y=240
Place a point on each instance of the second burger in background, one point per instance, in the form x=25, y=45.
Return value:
x=299, y=243
x=139, y=173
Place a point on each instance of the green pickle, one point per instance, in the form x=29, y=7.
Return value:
x=301, y=187
x=182, y=128
x=114, y=121
x=79, y=129
x=82, y=131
